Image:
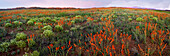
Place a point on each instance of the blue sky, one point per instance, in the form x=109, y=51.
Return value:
x=157, y=4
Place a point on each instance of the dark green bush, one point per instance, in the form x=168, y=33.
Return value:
x=78, y=20
x=47, y=19
x=54, y=20
x=18, y=51
x=17, y=23
x=5, y=44
x=47, y=27
x=129, y=19
x=13, y=53
x=13, y=41
x=26, y=54
x=3, y=32
x=8, y=25
x=2, y=49
x=35, y=53
x=21, y=44
x=21, y=36
x=58, y=28
x=31, y=43
x=95, y=21
x=72, y=21
x=30, y=22
x=139, y=19
x=114, y=16
x=151, y=16
x=26, y=49
x=48, y=33
x=155, y=18
x=45, y=24
x=73, y=29
x=78, y=16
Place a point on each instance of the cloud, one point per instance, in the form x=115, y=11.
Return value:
x=158, y=4
x=168, y=7
x=140, y=3
x=56, y=3
x=75, y=3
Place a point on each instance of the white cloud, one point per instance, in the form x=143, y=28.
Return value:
x=168, y=7
x=64, y=3
x=139, y=3
x=158, y=4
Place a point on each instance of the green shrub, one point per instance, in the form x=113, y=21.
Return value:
x=5, y=44
x=45, y=24
x=30, y=22
x=18, y=51
x=26, y=49
x=57, y=18
x=151, y=16
x=77, y=26
x=155, y=18
x=8, y=25
x=21, y=36
x=31, y=43
x=26, y=54
x=13, y=41
x=139, y=19
x=66, y=20
x=78, y=20
x=114, y=16
x=21, y=23
x=123, y=19
x=66, y=31
x=99, y=19
x=124, y=14
x=13, y=53
x=72, y=21
x=129, y=19
x=95, y=21
x=2, y=49
x=16, y=23
x=73, y=28
x=41, y=19
x=48, y=33
x=48, y=27
x=47, y=18
x=21, y=44
x=33, y=20
x=168, y=26
x=58, y=28
x=35, y=53
x=131, y=14
x=3, y=32
x=79, y=16
x=54, y=20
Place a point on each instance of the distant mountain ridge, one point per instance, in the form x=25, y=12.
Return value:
x=61, y=8
x=38, y=8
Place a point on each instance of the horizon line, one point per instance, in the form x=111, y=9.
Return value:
x=83, y=7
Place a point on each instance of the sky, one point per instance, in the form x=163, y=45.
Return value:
x=156, y=4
